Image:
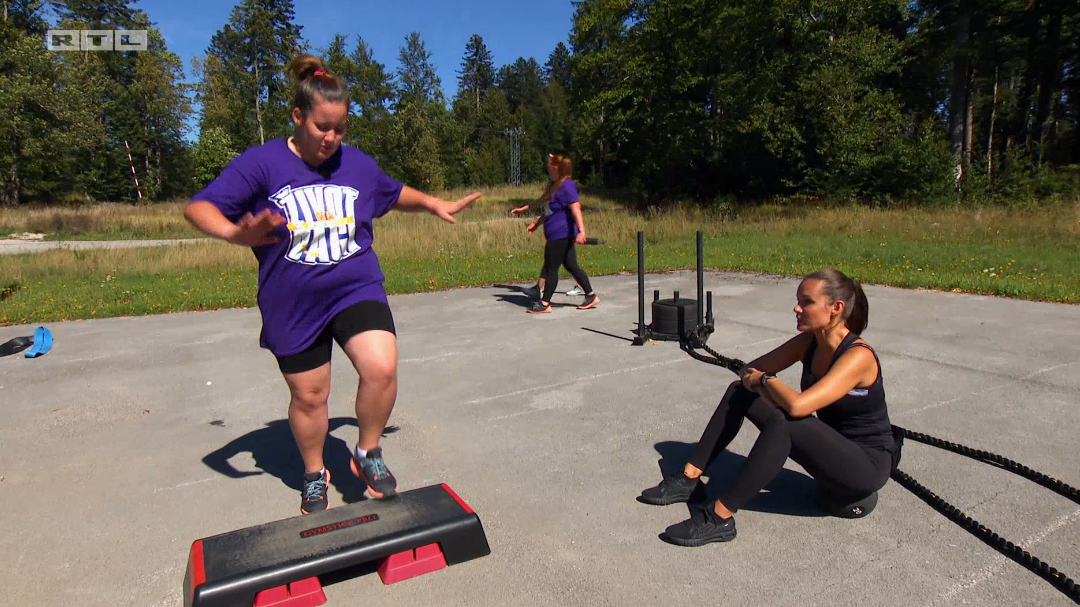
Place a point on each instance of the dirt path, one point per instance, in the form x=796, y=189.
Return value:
x=9, y=247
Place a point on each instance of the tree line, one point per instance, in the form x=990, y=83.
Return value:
x=710, y=100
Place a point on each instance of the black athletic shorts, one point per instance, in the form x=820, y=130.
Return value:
x=357, y=318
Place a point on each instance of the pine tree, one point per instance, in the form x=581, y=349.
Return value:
x=417, y=81
x=254, y=48
x=163, y=101
x=374, y=94
x=371, y=93
x=557, y=68
x=477, y=73
x=104, y=173
x=24, y=16
x=97, y=14
x=522, y=82
x=50, y=123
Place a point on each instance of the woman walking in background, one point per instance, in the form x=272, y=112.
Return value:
x=564, y=227
x=537, y=289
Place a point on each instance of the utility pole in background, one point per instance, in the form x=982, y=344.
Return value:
x=515, y=155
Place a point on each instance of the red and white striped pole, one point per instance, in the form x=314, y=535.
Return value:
x=133, y=175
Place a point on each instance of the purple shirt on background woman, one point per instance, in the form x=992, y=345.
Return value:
x=323, y=262
x=558, y=222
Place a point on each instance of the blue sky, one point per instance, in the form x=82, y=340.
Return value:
x=510, y=28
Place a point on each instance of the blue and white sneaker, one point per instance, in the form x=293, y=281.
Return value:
x=381, y=483
x=314, y=497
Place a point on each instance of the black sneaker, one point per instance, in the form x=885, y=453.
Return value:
x=703, y=527
x=674, y=489
x=591, y=301
x=381, y=483
x=314, y=492
x=539, y=308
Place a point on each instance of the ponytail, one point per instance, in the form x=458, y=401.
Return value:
x=859, y=311
x=313, y=81
x=839, y=287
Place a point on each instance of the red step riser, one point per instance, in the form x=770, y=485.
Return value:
x=412, y=563
x=302, y=593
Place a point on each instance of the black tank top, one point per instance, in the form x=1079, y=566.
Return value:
x=860, y=415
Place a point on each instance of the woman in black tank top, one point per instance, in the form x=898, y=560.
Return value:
x=836, y=426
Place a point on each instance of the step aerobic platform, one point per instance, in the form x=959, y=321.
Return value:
x=406, y=533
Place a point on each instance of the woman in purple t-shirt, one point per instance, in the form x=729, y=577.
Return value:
x=563, y=227
x=305, y=205
x=537, y=289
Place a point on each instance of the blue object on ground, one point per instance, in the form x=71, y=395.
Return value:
x=43, y=341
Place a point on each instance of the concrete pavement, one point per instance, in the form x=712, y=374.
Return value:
x=113, y=445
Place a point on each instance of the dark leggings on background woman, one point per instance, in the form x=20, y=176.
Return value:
x=842, y=466
x=562, y=252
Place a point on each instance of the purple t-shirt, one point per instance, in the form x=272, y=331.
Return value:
x=558, y=221
x=324, y=262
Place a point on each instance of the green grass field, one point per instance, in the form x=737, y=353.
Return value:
x=1028, y=254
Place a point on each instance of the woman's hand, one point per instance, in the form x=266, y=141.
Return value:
x=412, y=200
x=751, y=379
x=518, y=210
x=447, y=209
x=248, y=231
x=254, y=231
x=531, y=228
x=579, y=221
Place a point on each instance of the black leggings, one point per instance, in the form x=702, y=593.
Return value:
x=562, y=251
x=842, y=466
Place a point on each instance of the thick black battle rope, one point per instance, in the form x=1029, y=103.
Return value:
x=1049, y=482
x=1056, y=578
x=696, y=339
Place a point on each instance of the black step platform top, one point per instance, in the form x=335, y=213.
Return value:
x=230, y=568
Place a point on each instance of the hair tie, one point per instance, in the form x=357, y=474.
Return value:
x=319, y=72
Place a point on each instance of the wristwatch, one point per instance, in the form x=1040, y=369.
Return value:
x=766, y=377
